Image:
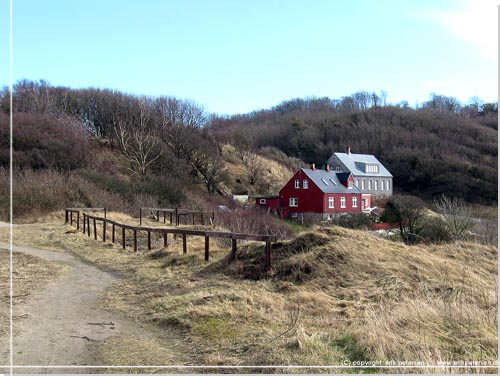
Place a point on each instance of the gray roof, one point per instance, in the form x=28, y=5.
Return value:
x=355, y=162
x=337, y=187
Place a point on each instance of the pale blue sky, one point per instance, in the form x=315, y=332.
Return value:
x=238, y=56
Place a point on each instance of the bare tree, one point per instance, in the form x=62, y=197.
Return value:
x=457, y=215
x=136, y=141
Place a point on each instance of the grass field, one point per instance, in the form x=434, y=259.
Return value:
x=333, y=295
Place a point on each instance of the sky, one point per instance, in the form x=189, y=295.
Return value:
x=236, y=56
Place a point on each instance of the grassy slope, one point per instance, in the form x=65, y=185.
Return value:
x=332, y=294
x=273, y=172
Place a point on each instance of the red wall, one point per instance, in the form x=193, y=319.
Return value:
x=348, y=203
x=310, y=200
x=273, y=203
x=313, y=200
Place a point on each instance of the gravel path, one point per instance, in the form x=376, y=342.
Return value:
x=64, y=325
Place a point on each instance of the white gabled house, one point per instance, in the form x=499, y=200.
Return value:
x=370, y=176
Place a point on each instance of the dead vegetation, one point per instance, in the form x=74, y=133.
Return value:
x=333, y=294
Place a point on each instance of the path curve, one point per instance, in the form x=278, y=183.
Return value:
x=61, y=330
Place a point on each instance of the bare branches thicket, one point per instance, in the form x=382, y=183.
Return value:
x=457, y=215
x=136, y=140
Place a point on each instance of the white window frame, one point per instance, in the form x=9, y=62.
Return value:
x=297, y=184
x=263, y=201
x=350, y=183
x=363, y=184
x=382, y=185
x=357, y=183
x=342, y=202
x=354, y=202
x=294, y=202
x=337, y=168
x=370, y=184
x=324, y=181
x=388, y=185
x=331, y=202
x=375, y=186
x=305, y=184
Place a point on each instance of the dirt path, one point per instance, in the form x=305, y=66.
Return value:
x=65, y=326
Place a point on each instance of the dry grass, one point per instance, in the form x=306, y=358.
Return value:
x=30, y=274
x=332, y=294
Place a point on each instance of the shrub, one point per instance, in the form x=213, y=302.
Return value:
x=352, y=220
x=435, y=230
x=44, y=141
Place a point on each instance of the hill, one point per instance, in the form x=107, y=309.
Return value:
x=333, y=295
x=429, y=151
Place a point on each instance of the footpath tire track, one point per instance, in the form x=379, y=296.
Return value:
x=60, y=325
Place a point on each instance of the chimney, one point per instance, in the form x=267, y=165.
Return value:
x=327, y=167
x=313, y=167
x=349, y=150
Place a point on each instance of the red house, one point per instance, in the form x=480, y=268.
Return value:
x=316, y=191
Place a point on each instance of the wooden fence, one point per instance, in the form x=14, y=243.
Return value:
x=70, y=211
x=176, y=214
x=122, y=227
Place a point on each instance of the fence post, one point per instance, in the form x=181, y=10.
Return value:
x=171, y=218
x=268, y=256
x=88, y=225
x=140, y=216
x=78, y=220
x=135, y=240
x=95, y=230
x=71, y=218
x=184, y=246
x=165, y=239
x=164, y=216
x=233, y=248
x=193, y=219
x=84, y=220
x=104, y=230
x=104, y=212
x=207, y=248
x=113, y=233
x=149, y=240
x=176, y=217
x=123, y=237
x=65, y=216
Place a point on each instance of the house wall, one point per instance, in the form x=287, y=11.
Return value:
x=334, y=162
x=310, y=199
x=272, y=203
x=374, y=192
x=337, y=199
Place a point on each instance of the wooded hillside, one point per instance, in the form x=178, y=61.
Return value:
x=440, y=148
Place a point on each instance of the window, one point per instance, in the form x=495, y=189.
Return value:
x=342, y=202
x=337, y=168
x=333, y=182
x=376, y=185
x=388, y=185
x=262, y=201
x=371, y=168
x=297, y=184
x=382, y=185
x=305, y=184
x=324, y=181
x=331, y=202
x=349, y=184
x=354, y=202
x=357, y=182
x=294, y=202
x=363, y=184
x=369, y=185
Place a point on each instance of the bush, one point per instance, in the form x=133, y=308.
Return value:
x=435, y=230
x=44, y=141
x=352, y=220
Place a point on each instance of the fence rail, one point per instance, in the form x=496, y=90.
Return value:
x=176, y=215
x=68, y=215
x=116, y=226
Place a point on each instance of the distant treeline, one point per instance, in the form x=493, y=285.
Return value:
x=443, y=147
x=164, y=144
